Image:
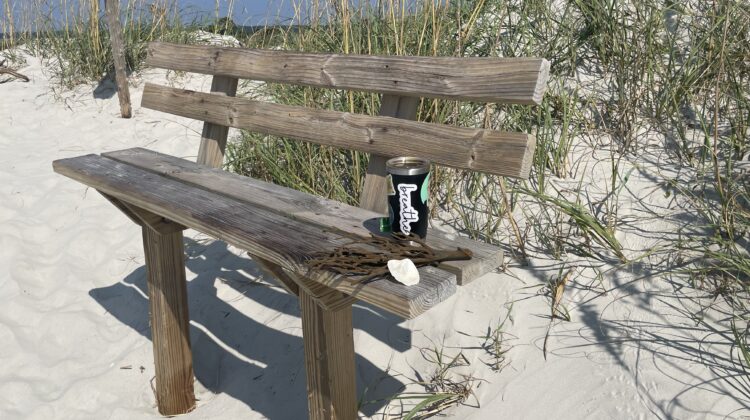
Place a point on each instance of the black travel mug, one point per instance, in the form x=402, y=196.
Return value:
x=408, y=182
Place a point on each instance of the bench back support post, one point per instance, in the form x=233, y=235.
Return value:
x=374, y=191
x=214, y=137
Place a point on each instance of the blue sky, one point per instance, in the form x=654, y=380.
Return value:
x=246, y=12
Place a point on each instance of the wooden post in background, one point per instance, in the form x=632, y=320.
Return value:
x=118, y=53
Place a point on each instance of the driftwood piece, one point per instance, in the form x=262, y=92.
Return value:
x=6, y=70
x=118, y=54
x=368, y=260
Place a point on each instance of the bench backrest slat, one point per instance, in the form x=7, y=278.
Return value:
x=495, y=152
x=482, y=79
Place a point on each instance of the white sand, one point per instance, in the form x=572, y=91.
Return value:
x=74, y=335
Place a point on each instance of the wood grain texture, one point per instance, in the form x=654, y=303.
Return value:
x=374, y=191
x=482, y=79
x=270, y=235
x=214, y=137
x=329, y=361
x=118, y=54
x=496, y=152
x=170, y=333
x=318, y=211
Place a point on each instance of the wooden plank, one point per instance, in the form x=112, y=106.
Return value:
x=214, y=137
x=482, y=79
x=170, y=328
x=308, y=208
x=329, y=361
x=118, y=54
x=279, y=239
x=501, y=153
x=374, y=191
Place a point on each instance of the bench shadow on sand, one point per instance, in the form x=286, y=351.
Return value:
x=237, y=355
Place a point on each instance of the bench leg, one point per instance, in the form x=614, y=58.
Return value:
x=167, y=290
x=329, y=360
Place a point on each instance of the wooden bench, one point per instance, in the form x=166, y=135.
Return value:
x=281, y=227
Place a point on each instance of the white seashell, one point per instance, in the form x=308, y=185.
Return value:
x=404, y=271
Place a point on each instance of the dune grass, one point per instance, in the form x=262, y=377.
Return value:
x=72, y=37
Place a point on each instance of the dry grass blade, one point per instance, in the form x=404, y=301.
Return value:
x=557, y=292
x=557, y=289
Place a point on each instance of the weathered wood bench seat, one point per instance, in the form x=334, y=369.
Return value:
x=281, y=227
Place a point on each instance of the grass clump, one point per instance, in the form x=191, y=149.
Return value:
x=73, y=39
x=443, y=389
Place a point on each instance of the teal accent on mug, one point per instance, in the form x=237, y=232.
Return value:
x=385, y=224
x=425, y=189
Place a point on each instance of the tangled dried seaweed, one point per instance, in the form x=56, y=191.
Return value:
x=368, y=258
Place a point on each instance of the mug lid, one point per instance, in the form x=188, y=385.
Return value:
x=407, y=165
